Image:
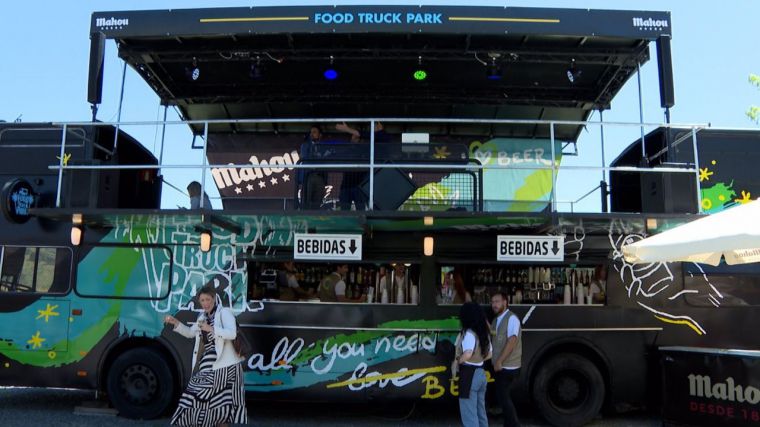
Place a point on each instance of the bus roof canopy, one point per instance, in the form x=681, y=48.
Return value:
x=478, y=62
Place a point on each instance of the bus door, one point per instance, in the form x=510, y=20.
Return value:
x=34, y=309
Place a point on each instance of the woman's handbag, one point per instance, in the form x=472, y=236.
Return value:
x=240, y=343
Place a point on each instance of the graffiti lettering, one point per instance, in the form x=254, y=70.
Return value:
x=433, y=389
x=282, y=354
x=343, y=351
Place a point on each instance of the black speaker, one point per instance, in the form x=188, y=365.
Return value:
x=392, y=188
x=665, y=71
x=668, y=192
x=95, y=79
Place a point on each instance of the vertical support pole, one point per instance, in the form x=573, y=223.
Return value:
x=554, y=168
x=372, y=165
x=696, y=166
x=163, y=136
x=641, y=117
x=60, y=167
x=603, y=183
x=203, y=172
x=118, y=113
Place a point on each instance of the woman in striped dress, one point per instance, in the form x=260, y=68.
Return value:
x=215, y=395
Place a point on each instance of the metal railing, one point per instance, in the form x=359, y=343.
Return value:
x=371, y=166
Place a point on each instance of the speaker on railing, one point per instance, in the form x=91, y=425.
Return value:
x=95, y=79
x=665, y=72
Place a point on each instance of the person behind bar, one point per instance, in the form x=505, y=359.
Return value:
x=194, y=191
x=507, y=354
x=349, y=188
x=215, y=394
x=472, y=348
x=287, y=283
x=332, y=288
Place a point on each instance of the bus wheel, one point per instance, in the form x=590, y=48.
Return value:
x=140, y=384
x=568, y=390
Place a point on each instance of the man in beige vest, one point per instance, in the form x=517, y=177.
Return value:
x=507, y=354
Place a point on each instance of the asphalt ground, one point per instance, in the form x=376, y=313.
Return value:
x=61, y=407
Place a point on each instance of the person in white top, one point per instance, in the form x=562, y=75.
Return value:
x=215, y=394
x=473, y=347
x=507, y=355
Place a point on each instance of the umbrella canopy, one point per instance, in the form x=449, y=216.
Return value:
x=733, y=233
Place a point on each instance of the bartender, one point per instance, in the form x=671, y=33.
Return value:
x=287, y=282
x=398, y=285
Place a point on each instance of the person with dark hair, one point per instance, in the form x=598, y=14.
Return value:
x=461, y=295
x=194, y=191
x=215, y=394
x=313, y=181
x=349, y=188
x=507, y=354
x=472, y=348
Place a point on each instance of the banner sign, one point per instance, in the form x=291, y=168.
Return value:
x=384, y=19
x=328, y=247
x=530, y=248
x=711, y=388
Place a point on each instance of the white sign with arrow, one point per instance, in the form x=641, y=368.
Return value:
x=328, y=247
x=530, y=248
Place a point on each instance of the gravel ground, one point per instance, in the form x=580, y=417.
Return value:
x=56, y=407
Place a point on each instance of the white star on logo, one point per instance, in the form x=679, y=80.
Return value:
x=285, y=178
x=249, y=187
x=262, y=184
x=238, y=190
x=273, y=181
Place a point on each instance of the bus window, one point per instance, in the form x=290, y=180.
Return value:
x=35, y=269
x=724, y=285
x=392, y=283
x=125, y=272
x=523, y=284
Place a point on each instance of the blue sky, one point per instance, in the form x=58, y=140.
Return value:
x=45, y=47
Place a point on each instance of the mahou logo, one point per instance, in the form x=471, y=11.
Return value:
x=703, y=386
x=650, y=24
x=111, y=23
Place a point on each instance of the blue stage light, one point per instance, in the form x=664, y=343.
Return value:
x=331, y=74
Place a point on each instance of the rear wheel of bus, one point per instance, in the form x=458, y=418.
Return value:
x=568, y=390
x=141, y=384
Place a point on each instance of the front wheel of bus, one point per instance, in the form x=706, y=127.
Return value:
x=568, y=390
x=140, y=384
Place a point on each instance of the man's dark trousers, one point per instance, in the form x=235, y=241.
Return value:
x=504, y=380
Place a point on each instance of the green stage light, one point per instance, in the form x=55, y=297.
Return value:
x=420, y=75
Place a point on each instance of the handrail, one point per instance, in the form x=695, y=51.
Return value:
x=370, y=165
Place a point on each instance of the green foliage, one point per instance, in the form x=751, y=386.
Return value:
x=754, y=111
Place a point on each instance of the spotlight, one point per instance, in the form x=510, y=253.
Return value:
x=205, y=241
x=573, y=73
x=331, y=73
x=493, y=69
x=76, y=235
x=428, y=246
x=193, y=72
x=256, y=71
x=419, y=74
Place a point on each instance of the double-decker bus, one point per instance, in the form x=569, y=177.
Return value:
x=442, y=134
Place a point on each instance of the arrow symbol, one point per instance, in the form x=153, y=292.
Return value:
x=555, y=248
x=352, y=247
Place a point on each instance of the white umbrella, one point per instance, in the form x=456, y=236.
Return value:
x=733, y=233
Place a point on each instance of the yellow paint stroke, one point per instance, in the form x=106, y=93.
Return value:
x=267, y=19
x=47, y=312
x=681, y=322
x=528, y=20
x=746, y=197
x=704, y=174
x=402, y=374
